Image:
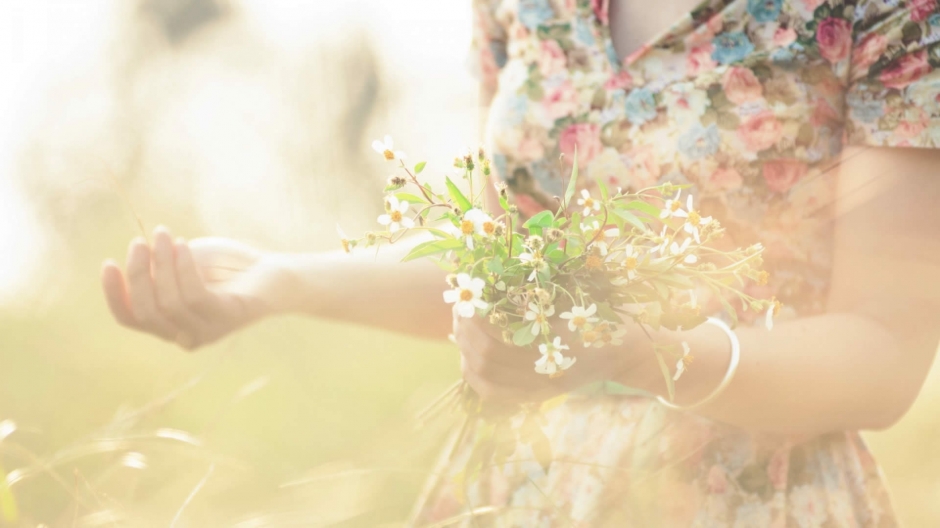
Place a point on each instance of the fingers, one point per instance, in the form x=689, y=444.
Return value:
x=193, y=289
x=169, y=294
x=115, y=292
x=141, y=295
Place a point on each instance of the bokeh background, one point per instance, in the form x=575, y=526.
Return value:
x=249, y=119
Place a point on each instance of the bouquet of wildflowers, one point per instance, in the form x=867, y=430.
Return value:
x=593, y=266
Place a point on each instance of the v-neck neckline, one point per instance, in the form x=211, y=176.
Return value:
x=675, y=30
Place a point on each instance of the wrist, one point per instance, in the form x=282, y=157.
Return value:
x=282, y=288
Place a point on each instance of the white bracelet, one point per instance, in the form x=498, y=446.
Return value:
x=732, y=368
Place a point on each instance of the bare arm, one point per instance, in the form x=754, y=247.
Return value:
x=862, y=364
x=193, y=293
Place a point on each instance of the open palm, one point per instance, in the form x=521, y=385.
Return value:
x=191, y=293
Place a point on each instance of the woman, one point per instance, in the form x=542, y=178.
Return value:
x=798, y=125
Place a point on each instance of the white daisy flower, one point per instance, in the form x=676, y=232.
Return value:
x=673, y=207
x=663, y=243
x=467, y=296
x=580, y=316
x=631, y=261
x=590, y=230
x=483, y=224
x=684, y=361
x=694, y=221
x=552, y=361
x=539, y=315
x=395, y=219
x=536, y=261
x=387, y=149
x=589, y=204
x=675, y=250
x=609, y=334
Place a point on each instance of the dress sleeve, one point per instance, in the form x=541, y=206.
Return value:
x=488, y=46
x=893, y=96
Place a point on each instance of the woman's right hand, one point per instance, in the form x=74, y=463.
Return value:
x=192, y=293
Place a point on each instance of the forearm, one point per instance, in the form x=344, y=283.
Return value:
x=368, y=287
x=812, y=375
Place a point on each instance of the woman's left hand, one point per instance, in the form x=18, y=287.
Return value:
x=506, y=373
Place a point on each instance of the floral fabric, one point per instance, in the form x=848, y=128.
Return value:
x=751, y=102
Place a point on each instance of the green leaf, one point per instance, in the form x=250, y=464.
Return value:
x=410, y=198
x=573, y=182
x=630, y=218
x=495, y=265
x=433, y=247
x=644, y=207
x=420, y=167
x=523, y=336
x=603, y=187
x=670, y=385
x=542, y=220
x=504, y=203
x=458, y=196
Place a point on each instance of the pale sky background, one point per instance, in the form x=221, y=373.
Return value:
x=195, y=102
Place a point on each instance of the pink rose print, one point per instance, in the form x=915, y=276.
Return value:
x=834, y=37
x=741, y=85
x=561, y=100
x=552, y=60
x=922, y=9
x=811, y=5
x=914, y=121
x=780, y=175
x=600, y=8
x=587, y=138
x=824, y=114
x=723, y=179
x=699, y=60
x=778, y=467
x=621, y=81
x=784, y=36
x=905, y=70
x=644, y=167
x=868, y=51
x=716, y=480
x=760, y=131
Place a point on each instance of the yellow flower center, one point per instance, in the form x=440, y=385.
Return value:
x=675, y=205
x=589, y=337
x=466, y=227
x=777, y=306
x=589, y=202
x=687, y=360
x=694, y=218
x=556, y=374
x=489, y=228
x=594, y=262
x=466, y=295
x=762, y=278
x=345, y=245
x=389, y=155
x=396, y=216
x=630, y=263
x=578, y=321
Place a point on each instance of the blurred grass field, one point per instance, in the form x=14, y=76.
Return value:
x=248, y=119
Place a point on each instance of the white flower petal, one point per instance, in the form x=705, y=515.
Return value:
x=480, y=303
x=465, y=309
x=385, y=219
x=378, y=146
x=451, y=296
x=477, y=285
x=536, y=329
x=769, y=319
x=585, y=193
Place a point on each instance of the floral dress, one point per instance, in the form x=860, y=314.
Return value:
x=751, y=102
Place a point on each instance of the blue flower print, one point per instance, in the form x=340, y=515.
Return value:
x=498, y=49
x=863, y=108
x=934, y=20
x=611, y=53
x=764, y=10
x=699, y=141
x=583, y=33
x=641, y=106
x=534, y=13
x=515, y=110
x=731, y=47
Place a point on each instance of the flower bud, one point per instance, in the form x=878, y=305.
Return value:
x=763, y=277
x=535, y=242
x=542, y=295
x=500, y=229
x=486, y=167
x=394, y=183
x=507, y=337
x=513, y=209
x=458, y=162
x=468, y=161
x=554, y=234
x=371, y=239
x=457, y=212
x=451, y=280
x=481, y=154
